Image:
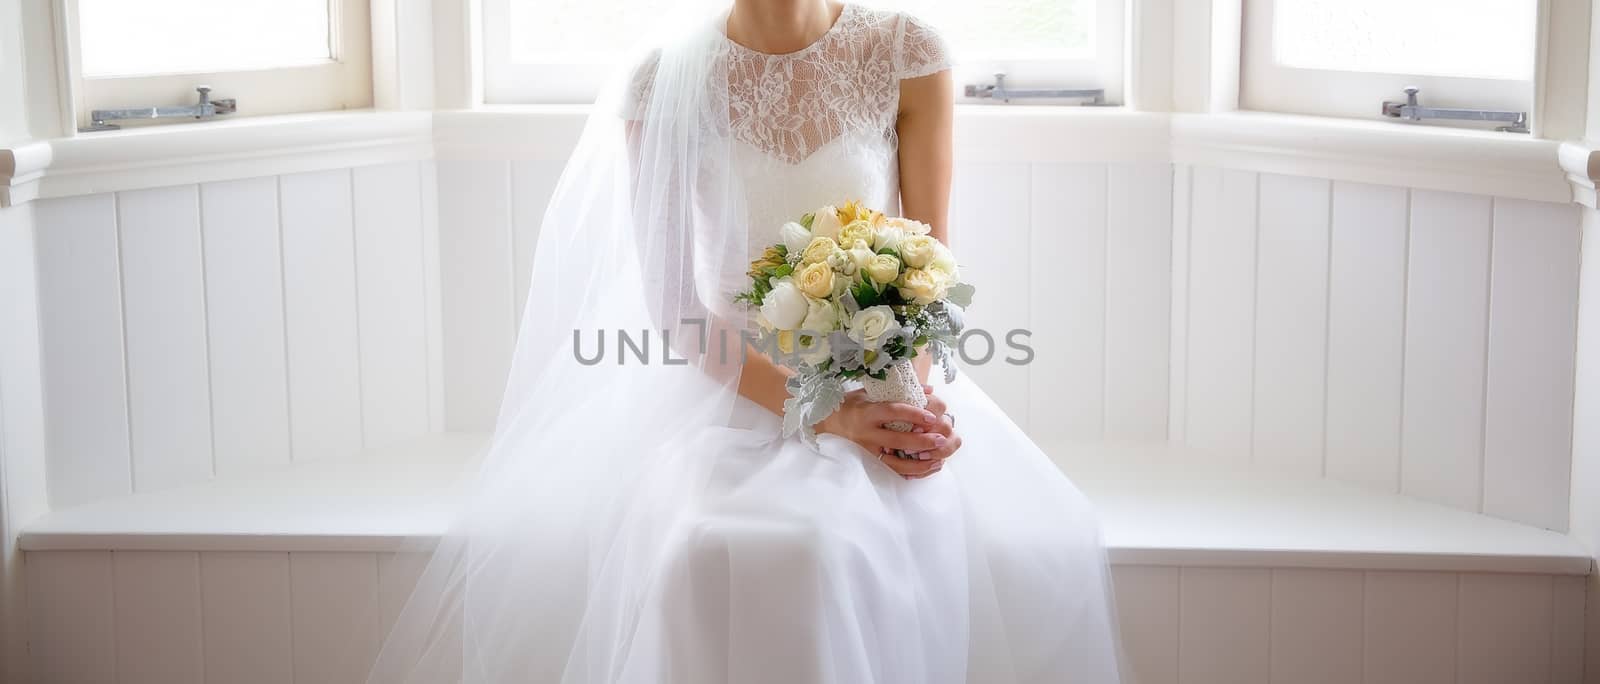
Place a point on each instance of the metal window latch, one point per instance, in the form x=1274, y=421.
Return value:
x=206, y=108
x=1516, y=122
x=998, y=91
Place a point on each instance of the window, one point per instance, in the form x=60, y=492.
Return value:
x=1346, y=57
x=271, y=56
x=562, y=50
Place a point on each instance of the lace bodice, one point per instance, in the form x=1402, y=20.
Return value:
x=817, y=126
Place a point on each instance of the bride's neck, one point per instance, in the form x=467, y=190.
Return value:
x=781, y=26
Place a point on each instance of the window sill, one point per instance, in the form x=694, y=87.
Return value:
x=1377, y=152
x=223, y=149
x=1156, y=506
x=1456, y=160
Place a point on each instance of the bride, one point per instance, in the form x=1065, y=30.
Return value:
x=638, y=515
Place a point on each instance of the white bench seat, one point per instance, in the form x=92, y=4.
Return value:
x=1157, y=507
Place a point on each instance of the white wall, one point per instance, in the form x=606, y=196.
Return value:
x=22, y=440
x=1414, y=341
x=13, y=84
x=197, y=330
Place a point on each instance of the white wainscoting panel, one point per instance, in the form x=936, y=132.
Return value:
x=1447, y=318
x=475, y=266
x=85, y=375
x=248, y=632
x=1138, y=299
x=244, y=315
x=258, y=617
x=1533, y=316
x=391, y=286
x=157, y=609
x=532, y=184
x=1222, y=310
x=164, y=305
x=321, y=314
x=999, y=262
x=1366, y=333
x=198, y=330
x=1414, y=341
x=1291, y=333
x=1067, y=268
x=24, y=491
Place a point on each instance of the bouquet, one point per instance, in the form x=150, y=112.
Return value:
x=850, y=294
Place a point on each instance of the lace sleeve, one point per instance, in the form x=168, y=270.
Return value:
x=921, y=50
x=636, y=92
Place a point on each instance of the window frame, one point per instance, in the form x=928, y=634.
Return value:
x=345, y=81
x=508, y=83
x=1267, y=86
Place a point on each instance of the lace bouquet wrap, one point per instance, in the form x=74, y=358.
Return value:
x=851, y=294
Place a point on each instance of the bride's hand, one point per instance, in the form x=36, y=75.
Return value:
x=862, y=422
x=944, y=426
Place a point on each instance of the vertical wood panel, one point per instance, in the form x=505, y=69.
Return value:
x=1505, y=628
x=397, y=578
x=244, y=313
x=985, y=197
x=432, y=303
x=1316, y=626
x=163, y=295
x=532, y=183
x=1147, y=612
x=335, y=616
x=1225, y=626
x=1067, y=248
x=321, y=315
x=1178, y=394
x=1567, y=633
x=80, y=321
x=22, y=427
x=247, y=617
x=1410, y=628
x=1532, y=329
x=72, y=636
x=1138, y=296
x=1291, y=323
x=475, y=270
x=1366, y=333
x=158, y=617
x=1446, y=315
x=1222, y=269
x=392, y=291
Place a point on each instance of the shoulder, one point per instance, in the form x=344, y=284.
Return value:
x=641, y=78
x=915, y=46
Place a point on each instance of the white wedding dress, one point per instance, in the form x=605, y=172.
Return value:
x=644, y=524
x=808, y=566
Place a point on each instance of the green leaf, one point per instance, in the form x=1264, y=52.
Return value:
x=807, y=220
x=960, y=294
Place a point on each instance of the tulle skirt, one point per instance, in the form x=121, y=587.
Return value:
x=807, y=567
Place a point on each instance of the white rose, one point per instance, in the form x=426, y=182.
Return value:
x=944, y=261
x=872, y=326
x=825, y=223
x=883, y=269
x=814, y=350
x=861, y=256
x=795, y=237
x=918, y=250
x=887, y=237
x=785, y=306
x=908, y=226
x=822, y=317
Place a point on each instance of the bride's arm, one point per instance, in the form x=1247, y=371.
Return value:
x=927, y=114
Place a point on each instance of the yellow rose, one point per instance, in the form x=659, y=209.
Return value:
x=816, y=280
x=858, y=230
x=918, y=250
x=883, y=269
x=819, y=250
x=786, y=341
x=921, y=287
